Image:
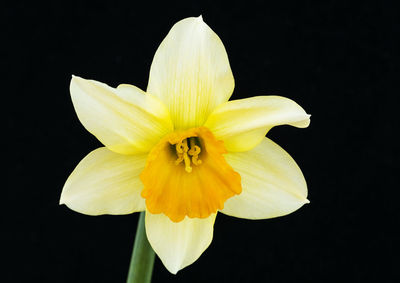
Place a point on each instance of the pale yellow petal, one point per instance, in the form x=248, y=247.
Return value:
x=190, y=73
x=179, y=244
x=243, y=123
x=126, y=120
x=105, y=182
x=272, y=183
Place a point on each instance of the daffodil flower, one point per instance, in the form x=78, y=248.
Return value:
x=181, y=151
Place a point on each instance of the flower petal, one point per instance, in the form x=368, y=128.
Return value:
x=105, y=182
x=126, y=120
x=179, y=244
x=190, y=73
x=272, y=183
x=243, y=123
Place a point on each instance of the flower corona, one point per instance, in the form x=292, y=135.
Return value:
x=177, y=183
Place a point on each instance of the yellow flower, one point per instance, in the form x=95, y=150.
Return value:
x=181, y=151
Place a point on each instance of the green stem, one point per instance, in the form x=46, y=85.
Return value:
x=141, y=266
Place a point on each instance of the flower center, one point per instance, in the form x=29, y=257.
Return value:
x=187, y=175
x=186, y=154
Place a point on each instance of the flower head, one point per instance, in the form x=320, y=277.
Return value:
x=181, y=151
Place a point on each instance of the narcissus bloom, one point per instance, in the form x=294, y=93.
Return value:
x=181, y=151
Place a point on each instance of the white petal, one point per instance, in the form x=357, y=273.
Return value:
x=105, y=182
x=243, y=123
x=179, y=244
x=272, y=183
x=126, y=120
x=190, y=73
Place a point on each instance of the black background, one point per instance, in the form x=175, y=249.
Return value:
x=336, y=59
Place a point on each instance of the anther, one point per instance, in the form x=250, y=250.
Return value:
x=192, y=143
x=194, y=152
x=195, y=160
x=179, y=147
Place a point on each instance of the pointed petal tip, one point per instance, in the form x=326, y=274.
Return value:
x=173, y=271
x=74, y=77
x=306, y=201
x=200, y=18
x=309, y=119
x=62, y=199
x=173, y=268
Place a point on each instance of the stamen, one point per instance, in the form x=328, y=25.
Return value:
x=179, y=152
x=194, y=152
x=183, y=152
x=180, y=158
x=195, y=160
x=179, y=147
x=192, y=143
